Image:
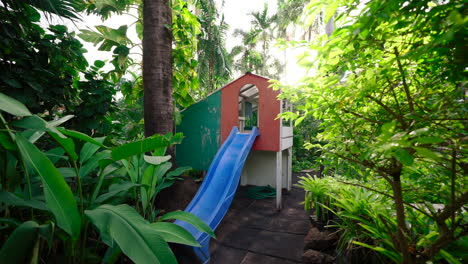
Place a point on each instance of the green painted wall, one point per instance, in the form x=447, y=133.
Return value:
x=202, y=130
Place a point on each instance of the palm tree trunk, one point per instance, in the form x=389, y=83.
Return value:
x=157, y=67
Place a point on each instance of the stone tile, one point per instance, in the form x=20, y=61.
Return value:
x=252, y=258
x=248, y=218
x=283, y=245
x=226, y=229
x=291, y=212
x=237, y=236
x=227, y=255
x=294, y=226
x=266, y=207
x=241, y=201
x=294, y=198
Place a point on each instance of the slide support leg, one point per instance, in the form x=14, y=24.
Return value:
x=289, y=169
x=279, y=180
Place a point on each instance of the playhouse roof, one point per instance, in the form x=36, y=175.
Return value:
x=245, y=88
x=238, y=79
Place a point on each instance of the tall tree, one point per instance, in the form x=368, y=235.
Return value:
x=263, y=25
x=390, y=87
x=213, y=62
x=157, y=67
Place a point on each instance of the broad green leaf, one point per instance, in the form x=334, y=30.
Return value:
x=448, y=257
x=47, y=232
x=33, y=134
x=132, y=233
x=6, y=141
x=429, y=140
x=80, y=136
x=105, y=170
x=93, y=163
x=10, y=221
x=13, y=200
x=59, y=198
x=177, y=138
x=58, y=122
x=112, y=255
x=147, y=182
x=67, y=172
x=89, y=149
x=99, y=63
x=189, y=218
x=34, y=122
x=160, y=171
x=174, y=233
x=156, y=160
x=178, y=171
x=387, y=129
x=56, y=154
x=139, y=147
x=403, y=156
x=124, y=187
x=67, y=144
x=19, y=245
x=426, y=153
x=331, y=10
x=13, y=106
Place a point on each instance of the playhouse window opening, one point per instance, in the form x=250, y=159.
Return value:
x=248, y=107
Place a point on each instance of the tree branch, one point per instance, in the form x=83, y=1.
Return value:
x=405, y=84
x=390, y=111
x=367, y=164
x=363, y=117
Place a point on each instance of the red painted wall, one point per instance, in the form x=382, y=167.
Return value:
x=269, y=108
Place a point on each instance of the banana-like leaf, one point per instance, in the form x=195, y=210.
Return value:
x=134, y=235
x=80, y=136
x=189, y=218
x=67, y=144
x=138, y=147
x=56, y=154
x=19, y=245
x=93, y=163
x=174, y=233
x=178, y=171
x=89, y=149
x=13, y=106
x=113, y=191
x=11, y=199
x=146, y=180
x=59, y=198
x=36, y=123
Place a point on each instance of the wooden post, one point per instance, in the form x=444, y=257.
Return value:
x=279, y=180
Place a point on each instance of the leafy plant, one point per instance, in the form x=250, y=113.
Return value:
x=70, y=189
x=389, y=85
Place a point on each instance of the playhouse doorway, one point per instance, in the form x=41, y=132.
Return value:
x=248, y=107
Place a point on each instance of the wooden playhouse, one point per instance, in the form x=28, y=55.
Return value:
x=245, y=102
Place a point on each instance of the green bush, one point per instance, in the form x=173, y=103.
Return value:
x=50, y=196
x=367, y=219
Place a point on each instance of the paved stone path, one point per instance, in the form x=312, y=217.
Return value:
x=254, y=232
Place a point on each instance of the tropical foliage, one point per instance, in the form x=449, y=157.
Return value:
x=389, y=86
x=214, y=63
x=66, y=196
x=41, y=68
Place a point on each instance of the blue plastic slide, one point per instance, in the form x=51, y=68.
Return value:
x=215, y=195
